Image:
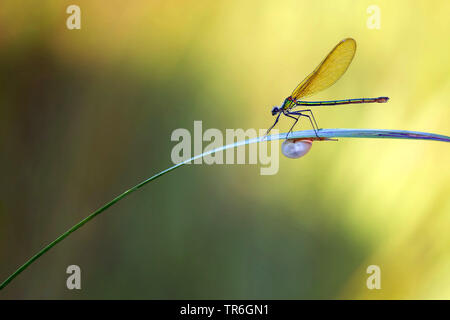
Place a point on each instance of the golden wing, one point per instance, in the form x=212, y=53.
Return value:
x=328, y=71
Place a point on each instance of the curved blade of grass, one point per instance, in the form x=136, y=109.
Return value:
x=325, y=133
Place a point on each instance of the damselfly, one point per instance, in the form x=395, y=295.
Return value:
x=325, y=75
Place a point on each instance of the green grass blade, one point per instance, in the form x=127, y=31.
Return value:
x=325, y=133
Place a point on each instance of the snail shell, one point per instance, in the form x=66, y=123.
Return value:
x=296, y=148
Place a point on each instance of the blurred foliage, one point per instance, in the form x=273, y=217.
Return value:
x=85, y=114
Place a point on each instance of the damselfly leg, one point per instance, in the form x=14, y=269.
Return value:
x=299, y=114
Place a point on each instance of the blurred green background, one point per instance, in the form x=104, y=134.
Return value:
x=86, y=114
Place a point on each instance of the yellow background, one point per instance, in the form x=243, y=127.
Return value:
x=86, y=114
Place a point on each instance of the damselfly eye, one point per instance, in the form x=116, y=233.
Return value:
x=275, y=110
x=294, y=149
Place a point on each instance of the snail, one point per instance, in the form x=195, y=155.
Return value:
x=296, y=148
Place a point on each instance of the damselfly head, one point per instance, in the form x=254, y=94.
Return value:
x=275, y=110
